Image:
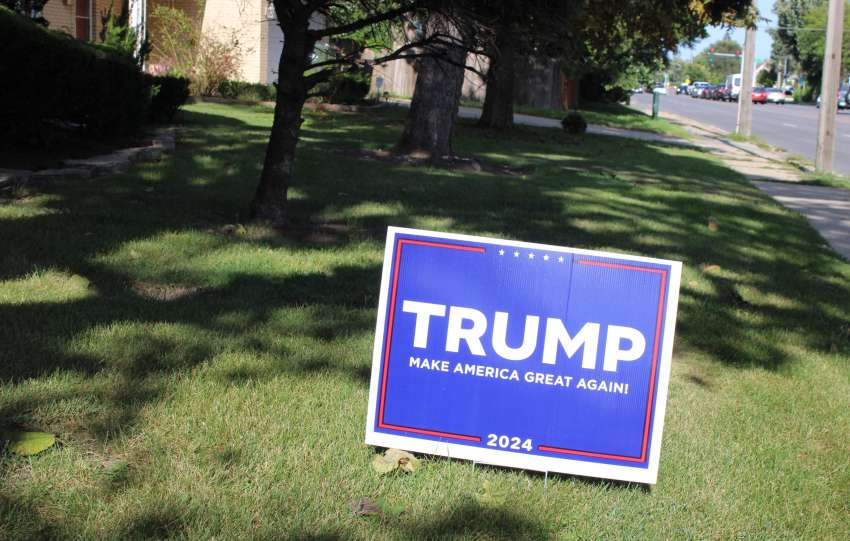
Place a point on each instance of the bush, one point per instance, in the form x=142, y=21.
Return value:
x=348, y=87
x=618, y=94
x=240, y=90
x=50, y=79
x=207, y=59
x=574, y=123
x=117, y=34
x=168, y=93
x=804, y=94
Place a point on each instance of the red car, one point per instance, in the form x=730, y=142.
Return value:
x=759, y=95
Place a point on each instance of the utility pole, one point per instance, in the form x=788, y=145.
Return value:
x=829, y=87
x=743, y=125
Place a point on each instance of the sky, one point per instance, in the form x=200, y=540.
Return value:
x=763, y=41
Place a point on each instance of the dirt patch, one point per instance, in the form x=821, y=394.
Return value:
x=454, y=163
x=163, y=292
x=322, y=233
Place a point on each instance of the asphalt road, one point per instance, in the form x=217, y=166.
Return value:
x=791, y=127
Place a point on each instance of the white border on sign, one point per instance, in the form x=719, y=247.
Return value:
x=648, y=475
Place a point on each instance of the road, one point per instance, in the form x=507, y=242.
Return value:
x=791, y=127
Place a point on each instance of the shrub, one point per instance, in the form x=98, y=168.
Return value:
x=804, y=94
x=241, y=90
x=618, y=94
x=49, y=79
x=117, y=34
x=348, y=87
x=574, y=123
x=168, y=93
x=207, y=59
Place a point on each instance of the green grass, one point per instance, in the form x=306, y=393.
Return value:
x=752, y=139
x=209, y=380
x=831, y=180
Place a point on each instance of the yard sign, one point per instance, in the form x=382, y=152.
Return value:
x=523, y=355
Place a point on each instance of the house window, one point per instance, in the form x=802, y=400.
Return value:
x=83, y=20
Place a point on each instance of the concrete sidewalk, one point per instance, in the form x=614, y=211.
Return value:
x=543, y=122
x=826, y=209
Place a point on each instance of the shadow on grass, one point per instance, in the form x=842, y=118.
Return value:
x=473, y=521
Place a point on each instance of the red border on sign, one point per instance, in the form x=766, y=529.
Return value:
x=385, y=372
x=651, y=396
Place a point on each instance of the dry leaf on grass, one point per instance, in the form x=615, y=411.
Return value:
x=395, y=459
x=365, y=507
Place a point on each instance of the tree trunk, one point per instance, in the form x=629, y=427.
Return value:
x=436, y=96
x=269, y=202
x=498, y=109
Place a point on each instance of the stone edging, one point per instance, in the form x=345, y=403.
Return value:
x=163, y=140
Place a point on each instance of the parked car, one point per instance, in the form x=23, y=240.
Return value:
x=843, y=101
x=759, y=95
x=775, y=95
x=682, y=89
x=722, y=93
x=789, y=95
x=717, y=92
x=697, y=88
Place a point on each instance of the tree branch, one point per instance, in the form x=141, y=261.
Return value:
x=362, y=23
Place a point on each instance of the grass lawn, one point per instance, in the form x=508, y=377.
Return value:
x=831, y=180
x=209, y=380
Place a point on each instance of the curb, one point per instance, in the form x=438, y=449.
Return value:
x=164, y=140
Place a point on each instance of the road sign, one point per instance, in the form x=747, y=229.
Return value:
x=524, y=355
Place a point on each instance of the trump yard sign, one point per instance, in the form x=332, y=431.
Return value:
x=523, y=355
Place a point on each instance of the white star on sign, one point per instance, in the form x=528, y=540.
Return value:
x=561, y=259
x=501, y=252
x=516, y=254
x=531, y=255
x=546, y=257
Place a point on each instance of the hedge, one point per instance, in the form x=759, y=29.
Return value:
x=50, y=79
x=242, y=90
x=167, y=93
x=348, y=87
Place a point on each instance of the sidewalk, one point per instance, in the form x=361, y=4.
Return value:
x=826, y=209
x=543, y=122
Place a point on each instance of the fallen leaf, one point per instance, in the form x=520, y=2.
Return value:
x=383, y=465
x=27, y=443
x=395, y=458
x=364, y=507
x=711, y=268
x=404, y=460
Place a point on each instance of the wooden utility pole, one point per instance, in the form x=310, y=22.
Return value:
x=829, y=87
x=743, y=125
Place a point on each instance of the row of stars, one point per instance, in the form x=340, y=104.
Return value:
x=531, y=255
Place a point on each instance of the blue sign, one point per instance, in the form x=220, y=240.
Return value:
x=523, y=355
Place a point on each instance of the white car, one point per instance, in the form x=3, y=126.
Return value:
x=775, y=95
